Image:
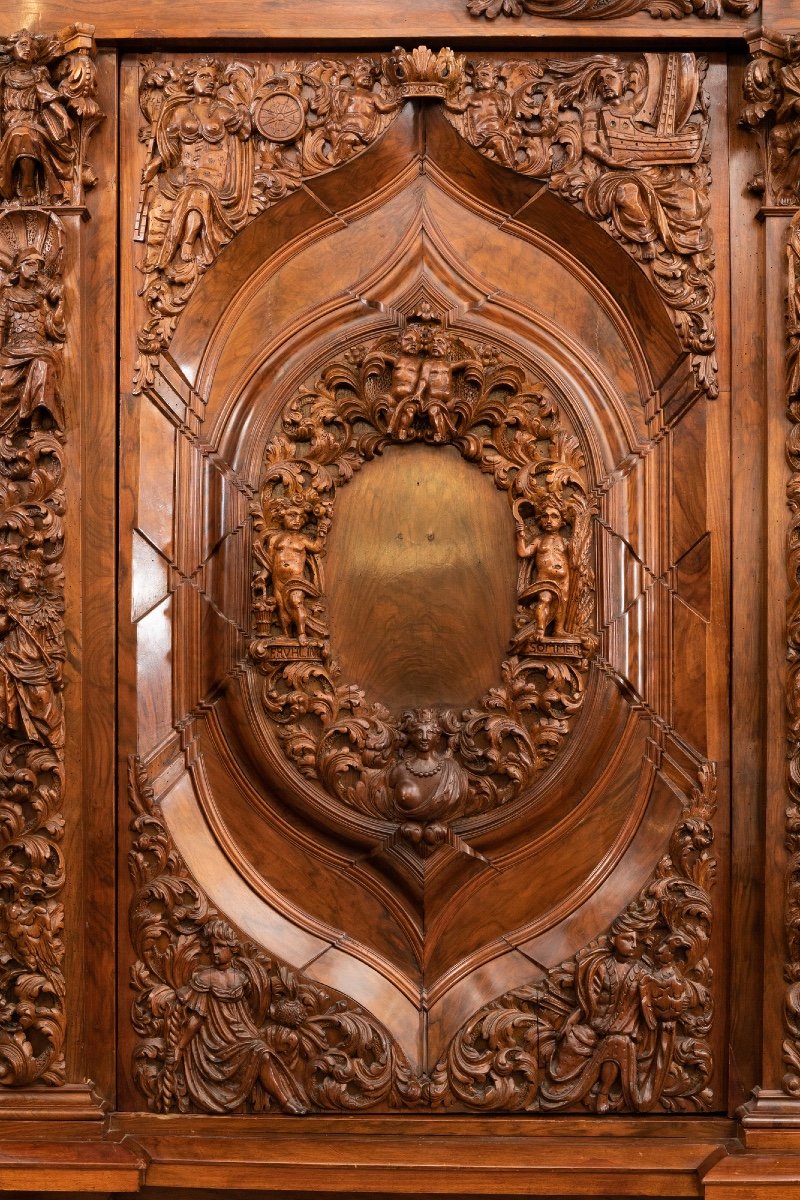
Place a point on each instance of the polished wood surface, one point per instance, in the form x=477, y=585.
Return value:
x=449, y=695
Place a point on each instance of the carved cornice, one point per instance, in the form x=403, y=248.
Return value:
x=772, y=95
x=622, y=137
x=32, y=647
x=621, y=1026
x=606, y=10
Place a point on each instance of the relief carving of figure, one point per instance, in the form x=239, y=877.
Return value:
x=31, y=656
x=620, y=1041
x=545, y=569
x=355, y=111
x=37, y=148
x=427, y=787
x=290, y=557
x=221, y=1048
x=422, y=387
x=31, y=330
x=202, y=169
x=488, y=113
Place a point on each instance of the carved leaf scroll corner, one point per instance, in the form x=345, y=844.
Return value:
x=588, y=10
x=622, y=137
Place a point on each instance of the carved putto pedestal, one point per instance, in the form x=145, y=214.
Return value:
x=422, y=770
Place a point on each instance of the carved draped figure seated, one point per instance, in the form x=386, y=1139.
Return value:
x=31, y=658
x=620, y=1041
x=222, y=1052
x=31, y=327
x=427, y=787
x=203, y=167
x=37, y=149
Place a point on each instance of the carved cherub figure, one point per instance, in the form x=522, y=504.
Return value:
x=31, y=329
x=433, y=394
x=547, y=581
x=37, y=147
x=355, y=111
x=488, y=113
x=405, y=374
x=290, y=557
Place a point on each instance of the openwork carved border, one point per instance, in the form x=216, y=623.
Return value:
x=791, y=1046
x=621, y=137
x=226, y=1028
x=48, y=111
x=606, y=10
x=424, y=383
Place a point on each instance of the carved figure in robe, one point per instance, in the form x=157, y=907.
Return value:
x=545, y=575
x=290, y=557
x=222, y=1050
x=37, y=146
x=31, y=657
x=31, y=328
x=427, y=787
x=354, y=119
x=617, y=1041
x=488, y=113
x=203, y=166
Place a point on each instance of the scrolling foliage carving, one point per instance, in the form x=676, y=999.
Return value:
x=621, y=137
x=421, y=769
x=226, y=1028
x=589, y=10
x=624, y=1024
x=772, y=92
x=223, y=1027
x=791, y=1046
x=32, y=648
x=47, y=113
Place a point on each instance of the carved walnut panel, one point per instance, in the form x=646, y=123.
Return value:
x=426, y=602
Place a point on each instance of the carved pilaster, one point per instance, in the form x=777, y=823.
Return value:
x=622, y=137
x=47, y=112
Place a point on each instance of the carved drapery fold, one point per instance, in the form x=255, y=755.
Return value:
x=47, y=112
x=621, y=137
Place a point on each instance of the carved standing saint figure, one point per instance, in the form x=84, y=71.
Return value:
x=203, y=165
x=290, y=557
x=427, y=787
x=620, y=1041
x=37, y=149
x=31, y=656
x=222, y=1051
x=31, y=329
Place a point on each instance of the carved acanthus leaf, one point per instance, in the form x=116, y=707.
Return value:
x=772, y=95
x=423, y=384
x=204, y=995
x=32, y=648
x=601, y=10
x=622, y=137
x=621, y=1026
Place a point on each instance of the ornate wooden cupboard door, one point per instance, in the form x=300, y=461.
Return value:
x=427, y=478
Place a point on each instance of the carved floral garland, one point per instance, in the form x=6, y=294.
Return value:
x=583, y=10
x=430, y=385
x=624, y=138
x=623, y=1025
